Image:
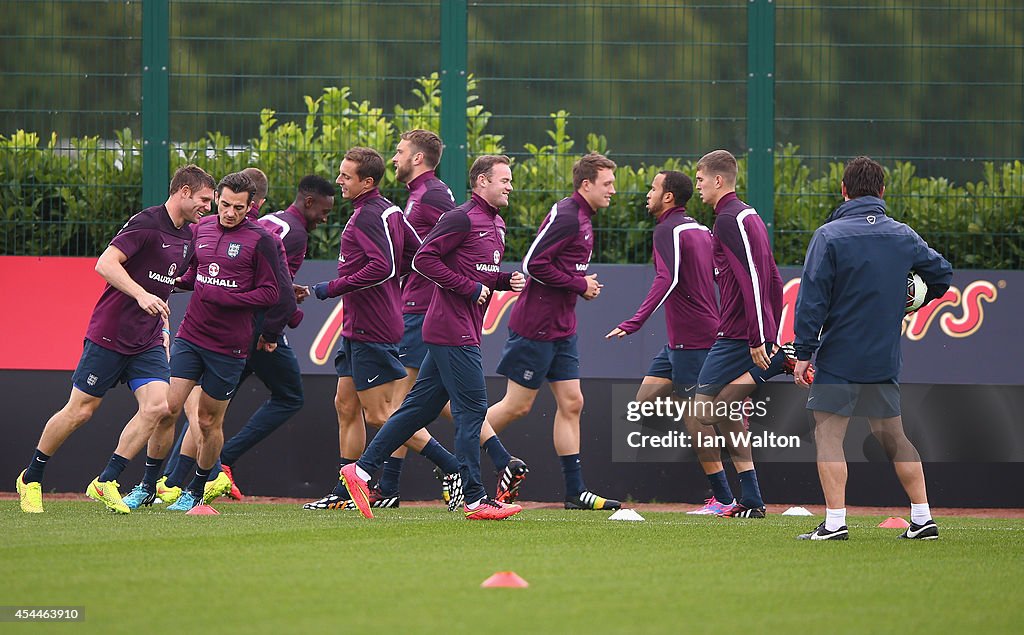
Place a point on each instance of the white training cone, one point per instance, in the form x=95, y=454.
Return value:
x=626, y=514
x=797, y=511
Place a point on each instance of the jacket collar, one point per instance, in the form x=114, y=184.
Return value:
x=860, y=206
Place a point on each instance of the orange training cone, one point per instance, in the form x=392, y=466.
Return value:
x=892, y=522
x=505, y=579
x=202, y=510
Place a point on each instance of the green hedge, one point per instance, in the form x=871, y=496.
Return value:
x=69, y=198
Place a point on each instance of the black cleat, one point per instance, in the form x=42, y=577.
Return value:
x=509, y=480
x=926, y=531
x=589, y=500
x=820, y=533
x=740, y=511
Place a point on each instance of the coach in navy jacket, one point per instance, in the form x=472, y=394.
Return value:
x=853, y=290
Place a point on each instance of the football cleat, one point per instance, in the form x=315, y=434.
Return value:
x=216, y=488
x=139, y=497
x=509, y=480
x=589, y=500
x=456, y=497
x=107, y=494
x=166, y=494
x=740, y=511
x=445, y=494
x=379, y=500
x=235, y=493
x=820, y=533
x=789, y=362
x=711, y=508
x=30, y=494
x=186, y=502
x=925, y=531
x=358, y=488
x=331, y=501
x=490, y=509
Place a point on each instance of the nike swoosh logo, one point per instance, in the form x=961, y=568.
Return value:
x=688, y=388
x=164, y=245
x=703, y=385
x=482, y=234
x=913, y=534
x=402, y=354
x=202, y=245
x=372, y=379
x=228, y=393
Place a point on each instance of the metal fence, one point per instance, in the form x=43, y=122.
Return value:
x=117, y=94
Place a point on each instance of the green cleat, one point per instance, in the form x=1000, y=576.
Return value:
x=31, y=495
x=216, y=488
x=167, y=494
x=107, y=494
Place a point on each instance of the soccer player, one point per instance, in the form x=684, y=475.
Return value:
x=278, y=369
x=853, y=292
x=462, y=256
x=542, y=330
x=416, y=158
x=745, y=353
x=377, y=245
x=183, y=456
x=684, y=284
x=127, y=338
x=235, y=273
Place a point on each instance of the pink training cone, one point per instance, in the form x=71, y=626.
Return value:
x=202, y=510
x=892, y=522
x=505, y=579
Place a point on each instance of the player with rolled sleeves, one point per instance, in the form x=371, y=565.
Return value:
x=127, y=338
x=416, y=157
x=377, y=245
x=235, y=273
x=542, y=330
x=853, y=292
x=745, y=352
x=462, y=256
x=684, y=284
x=278, y=369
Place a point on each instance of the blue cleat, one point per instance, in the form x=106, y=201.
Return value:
x=185, y=502
x=139, y=497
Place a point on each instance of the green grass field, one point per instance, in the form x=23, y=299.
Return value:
x=260, y=568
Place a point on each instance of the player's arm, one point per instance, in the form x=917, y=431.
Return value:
x=265, y=290
x=738, y=251
x=540, y=261
x=935, y=270
x=110, y=266
x=410, y=245
x=666, y=267
x=283, y=310
x=448, y=235
x=815, y=296
x=371, y=234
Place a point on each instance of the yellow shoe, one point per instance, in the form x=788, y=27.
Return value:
x=31, y=495
x=167, y=494
x=107, y=494
x=216, y=488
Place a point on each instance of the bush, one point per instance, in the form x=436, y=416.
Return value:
x=68, y=199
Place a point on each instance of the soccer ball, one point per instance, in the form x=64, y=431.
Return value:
x=916, y=291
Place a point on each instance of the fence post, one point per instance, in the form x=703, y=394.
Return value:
x=155, y=100
x=454, y=36
x=761, y=110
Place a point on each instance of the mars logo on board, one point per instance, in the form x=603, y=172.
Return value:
x=960, y=313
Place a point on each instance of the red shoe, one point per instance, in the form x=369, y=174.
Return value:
x=358, y=489
x=490, y=509
x=235, y=493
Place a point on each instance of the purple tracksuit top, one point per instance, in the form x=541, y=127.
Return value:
x=555, y=266
x=429, y=197
x=377, y=246
x=237, y=272
x=684, y=282
x=157, y=252
x=461, y=253
x=749, y=283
